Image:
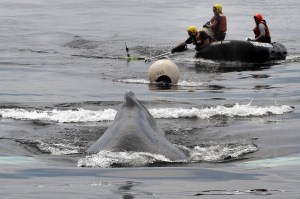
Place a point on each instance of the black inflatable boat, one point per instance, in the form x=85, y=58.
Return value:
x=243, y=51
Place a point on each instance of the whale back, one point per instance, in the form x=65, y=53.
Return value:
x=135, y=129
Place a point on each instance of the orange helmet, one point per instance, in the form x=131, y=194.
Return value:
x=259, y=17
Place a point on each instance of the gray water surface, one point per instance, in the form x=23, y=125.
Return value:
x=67, y=56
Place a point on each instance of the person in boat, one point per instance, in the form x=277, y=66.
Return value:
x=198, y=38
x=261, y=30
x=218, y=23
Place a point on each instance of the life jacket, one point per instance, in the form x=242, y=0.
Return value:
x=199, y=39
x=221, y=23
x=267, y=32
x=196, y=39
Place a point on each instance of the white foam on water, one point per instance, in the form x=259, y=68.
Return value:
x=60, y=116
x=133, y=81
x=58, y=148
x=185, y=83
x=107, y=159
x=182, y=83
x=215, y=153
x=292, y=58
x=219, y=153
x=236, y=110
x=82, y=115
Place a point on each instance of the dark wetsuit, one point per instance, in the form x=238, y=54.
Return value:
x=199, y=41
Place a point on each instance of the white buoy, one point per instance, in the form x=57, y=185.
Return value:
x=164, y=71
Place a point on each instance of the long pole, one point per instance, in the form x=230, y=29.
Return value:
x=127, y=50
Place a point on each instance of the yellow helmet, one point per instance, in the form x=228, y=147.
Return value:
x=219, y=8
x=192, y=29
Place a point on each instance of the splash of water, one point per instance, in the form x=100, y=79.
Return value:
x=83, y=115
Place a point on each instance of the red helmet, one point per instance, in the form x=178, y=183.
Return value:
x=259, y=17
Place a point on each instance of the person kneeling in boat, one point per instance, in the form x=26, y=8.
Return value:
x=261, y=30
x=199, y=38
x=218, y=23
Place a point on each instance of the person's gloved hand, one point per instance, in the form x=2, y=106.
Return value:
x=180, y=48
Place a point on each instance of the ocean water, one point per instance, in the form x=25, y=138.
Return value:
x=63, y=76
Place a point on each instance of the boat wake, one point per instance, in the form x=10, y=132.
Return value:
x=292, y=58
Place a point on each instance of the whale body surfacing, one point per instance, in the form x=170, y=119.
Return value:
x=135, y=129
